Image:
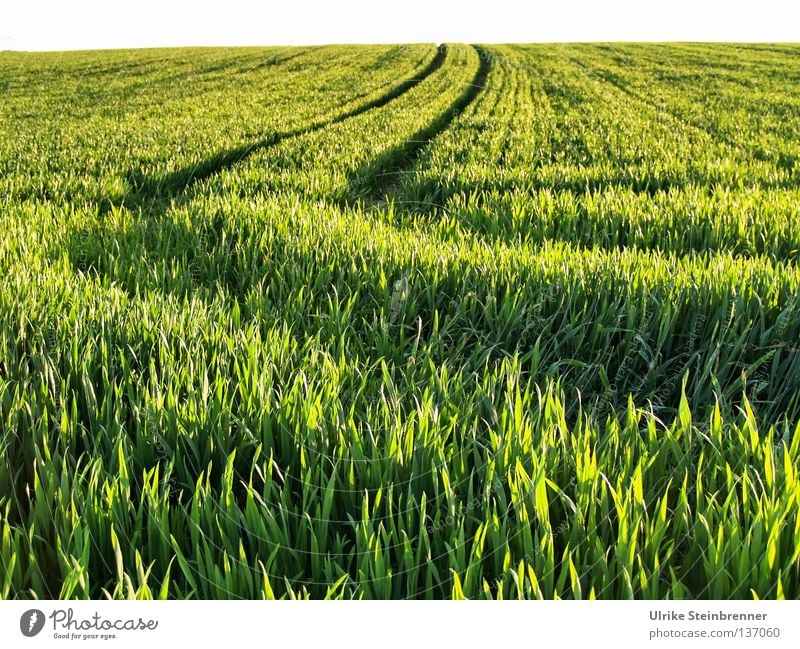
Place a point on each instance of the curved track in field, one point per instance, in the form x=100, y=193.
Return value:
x=150, y=192
x=382, y=182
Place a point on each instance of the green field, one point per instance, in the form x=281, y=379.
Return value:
x=401, y=322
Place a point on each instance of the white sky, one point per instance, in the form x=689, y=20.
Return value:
x=79, y=24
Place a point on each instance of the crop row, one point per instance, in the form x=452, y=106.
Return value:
x=573, y=157
x=216, y=459
x=498, y=326
x=101, y=137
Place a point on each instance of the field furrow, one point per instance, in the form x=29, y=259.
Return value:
x=401, y=322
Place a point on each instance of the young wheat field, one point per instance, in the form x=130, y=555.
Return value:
x=401, y=322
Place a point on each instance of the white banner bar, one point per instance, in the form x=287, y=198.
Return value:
x=399, y=624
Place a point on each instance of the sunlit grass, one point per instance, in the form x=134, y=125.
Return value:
x=475, y=323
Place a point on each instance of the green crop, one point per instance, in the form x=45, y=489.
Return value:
x=400, y=322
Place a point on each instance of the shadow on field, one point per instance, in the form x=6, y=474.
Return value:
x=581, y=330
x=578, y=328
x=154, y=194
x=126, y=245
x=377, y=179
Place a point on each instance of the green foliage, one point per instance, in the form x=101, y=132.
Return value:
x=399, y=322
